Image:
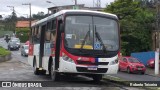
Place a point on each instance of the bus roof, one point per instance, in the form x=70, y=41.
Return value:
x=66, y=11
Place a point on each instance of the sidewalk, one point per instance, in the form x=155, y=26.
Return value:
x=150, y=71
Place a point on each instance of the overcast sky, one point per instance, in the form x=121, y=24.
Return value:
x=40, y=5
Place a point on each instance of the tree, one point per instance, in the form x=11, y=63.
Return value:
x=135, y=23
x=10, y=22
x=39, y=15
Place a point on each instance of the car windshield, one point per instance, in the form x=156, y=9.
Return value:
x=91, y=32
x=133, y=60
x=14, y=41
x=26, y=47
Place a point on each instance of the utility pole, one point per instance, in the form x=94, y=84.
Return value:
x=76, y=4
x=30, y=19
x=93, y=3
x=158, y=40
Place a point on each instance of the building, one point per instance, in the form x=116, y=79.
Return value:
x=23, y=24
x=55, y=9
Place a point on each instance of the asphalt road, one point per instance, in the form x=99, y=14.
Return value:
x=18, y=69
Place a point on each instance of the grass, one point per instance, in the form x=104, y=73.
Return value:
x=3, y=51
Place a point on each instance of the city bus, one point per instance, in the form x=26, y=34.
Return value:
x=75, y=42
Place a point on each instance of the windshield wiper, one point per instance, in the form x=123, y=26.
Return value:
x=99, y=39
x=85, y=38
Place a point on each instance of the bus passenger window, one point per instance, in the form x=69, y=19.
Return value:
x=53, y=38
x=47, y=36
x=53, y=24
x=36, y=35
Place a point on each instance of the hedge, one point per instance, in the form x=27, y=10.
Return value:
x=22, y=34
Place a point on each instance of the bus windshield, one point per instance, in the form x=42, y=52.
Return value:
x=91, y=32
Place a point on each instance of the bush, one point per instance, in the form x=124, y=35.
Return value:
x=22, y=34
x=3, y=51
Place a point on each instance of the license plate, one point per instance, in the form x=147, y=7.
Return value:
x=139, y=68
x=102, y=60
x=92, y=68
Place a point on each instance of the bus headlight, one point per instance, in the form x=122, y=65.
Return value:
x=114, y=62
x=66, y=58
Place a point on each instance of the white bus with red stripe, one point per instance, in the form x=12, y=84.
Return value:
x=75, y=42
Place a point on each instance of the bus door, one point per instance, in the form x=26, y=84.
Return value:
x=42, y=37
x=58, y=43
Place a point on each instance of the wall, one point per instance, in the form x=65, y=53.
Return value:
x=144, y=56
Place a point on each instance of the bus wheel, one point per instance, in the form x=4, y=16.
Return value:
x=35, y=69
x=97, y=77
x=54, y=74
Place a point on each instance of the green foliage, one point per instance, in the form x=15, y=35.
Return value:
x=135, y=24
x=22, y=34
x=39, y=15
x=10, y=22
x=4, y=52
x=3, y=32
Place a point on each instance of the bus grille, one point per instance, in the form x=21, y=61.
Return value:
x=91, y=63
x=99, y=70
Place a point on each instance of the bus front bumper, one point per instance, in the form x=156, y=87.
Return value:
x=70, y=67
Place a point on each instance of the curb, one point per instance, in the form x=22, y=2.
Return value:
x=152, y=75
x=5, y=58
x=123, y=83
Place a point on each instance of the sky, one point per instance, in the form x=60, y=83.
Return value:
x=40, y=5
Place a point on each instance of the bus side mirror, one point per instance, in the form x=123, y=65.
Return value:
x=61, y=27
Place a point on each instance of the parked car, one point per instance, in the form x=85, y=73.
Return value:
x=13, y=45
x=24, y=50
x=151, y=63
x=131, y=65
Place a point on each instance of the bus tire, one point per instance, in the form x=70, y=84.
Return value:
x=97, y=77
x=54, y=75
x=35, y=69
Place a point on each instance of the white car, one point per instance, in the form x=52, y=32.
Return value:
x=24, y=50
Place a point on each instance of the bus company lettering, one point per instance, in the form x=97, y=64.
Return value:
x=14, y=84
x=87, y=59
x=136, y=84
x=143, y=84
x=34, y=85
